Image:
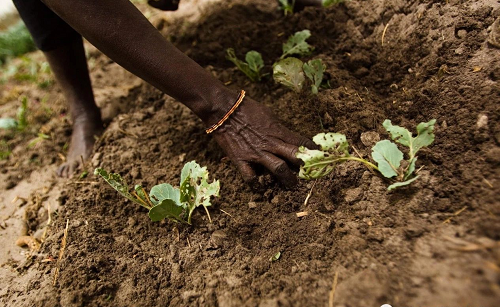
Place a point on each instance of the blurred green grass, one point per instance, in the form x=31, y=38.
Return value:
x=15, y=41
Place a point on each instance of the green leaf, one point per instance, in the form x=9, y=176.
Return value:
x=327, y=3
x=297, y=44
x=335, y=142
x=250, y=69
x=275, y=257
x=8, y=123
x=117, y=183
x=314, y=166
x=287, y=6
x=388, y=157
x=255, y=61
x=319, y=163
x=411, y=168
x=289, y=73
x=314, y=70
x=425, y=135
x=167, y=208
x=195, y=189
x=164, y=191
x=400, y=184
x=83, y=175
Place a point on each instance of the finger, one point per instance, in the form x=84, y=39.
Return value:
x=246, y=171
x=297, y=140
x=287, y=152
x=280, y=169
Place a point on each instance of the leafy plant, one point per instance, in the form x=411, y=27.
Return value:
x=251, y=67
x=289, y=73
x=296, y=44
x=287, y=6
x=335, y=150
x=165, y=201
x=314, y=70
x=21, y=121
x=389, y=157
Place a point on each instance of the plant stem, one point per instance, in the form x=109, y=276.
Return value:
x=331, y=161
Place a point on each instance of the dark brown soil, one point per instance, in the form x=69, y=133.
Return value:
x=405, y=248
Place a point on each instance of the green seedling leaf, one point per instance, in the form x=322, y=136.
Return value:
x=333, y=142
x=319, y=163
x=314, y=70
x=255, y=61
x=8, y=123
x=22, y=121
x=388, y=157
x=327, y=3
x=164, y=191
x=253, y=65
x=275, y=257
x=297, y=44
x=287, y=6
x=117, y=183
x=425, y=135
x=83, y=175
x=400, y=184
x=195, y=190
x=167, y=208
x=289, y=73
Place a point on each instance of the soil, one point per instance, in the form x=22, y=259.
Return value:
x=434, y=243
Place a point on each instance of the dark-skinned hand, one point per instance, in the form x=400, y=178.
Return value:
x=252, y=135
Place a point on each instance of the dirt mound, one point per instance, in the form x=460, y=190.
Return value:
x=434, y=243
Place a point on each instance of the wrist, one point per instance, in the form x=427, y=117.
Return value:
x=219, y=103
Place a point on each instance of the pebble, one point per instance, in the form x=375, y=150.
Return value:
x=252, y=205
x=482, y=121
x=369, y=138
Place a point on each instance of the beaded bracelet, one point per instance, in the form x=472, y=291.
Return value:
x=220, y=122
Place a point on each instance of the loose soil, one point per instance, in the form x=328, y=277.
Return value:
x=434, y=243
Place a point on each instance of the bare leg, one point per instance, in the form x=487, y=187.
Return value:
x=70, y=69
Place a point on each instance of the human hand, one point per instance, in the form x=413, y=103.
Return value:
x=251, y=135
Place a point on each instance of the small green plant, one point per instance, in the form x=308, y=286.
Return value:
x=287, y=6
x=335, y=150
x=314, y=70
x=289, y=73
x=165, y=201
x=251, y=67
x=297, y=45
x=21, y=121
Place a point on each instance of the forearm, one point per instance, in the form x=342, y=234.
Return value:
x=121, y=32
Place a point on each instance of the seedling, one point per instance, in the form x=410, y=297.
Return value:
x=289, y=73
x=251, y=67
x=297, y=45
x=335, y=150
x=165, y=201
x=287, y=6
x=314, y=70
x=21, y=122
